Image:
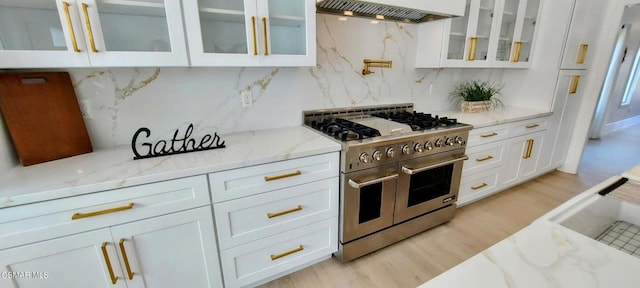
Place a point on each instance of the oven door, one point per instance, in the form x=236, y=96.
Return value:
x=428, y=183
x=367, y=201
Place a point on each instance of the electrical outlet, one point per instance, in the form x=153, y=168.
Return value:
x=247, y=98
x=85, y=109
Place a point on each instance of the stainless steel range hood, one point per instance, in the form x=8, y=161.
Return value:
x=411, y=11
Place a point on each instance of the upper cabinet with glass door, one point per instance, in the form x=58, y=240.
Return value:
x=82, y=33
x=515, y=40
x=251, y=32
x=493, y=33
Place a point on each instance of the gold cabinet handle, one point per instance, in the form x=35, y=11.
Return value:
x=255, y=38
x=114, y=279
x=125, y=259
x=518, y=48
x=532, y=126
x=273, y=215
x=70, y=27
x=527, y=153
x=582, y=55
x=574, y=84
x=266, y=40
x=480, y=186
x=278, y=256
x=531, y=148
x=85, y=9
x=473, y=41
x=101, y=212
x=485, y=158
x=489, y=135
x=271, y=178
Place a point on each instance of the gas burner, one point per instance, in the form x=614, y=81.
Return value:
x=345, y=130
x=417, y=120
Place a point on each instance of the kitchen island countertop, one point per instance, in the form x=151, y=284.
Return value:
x=545, y=254
x=115, y=168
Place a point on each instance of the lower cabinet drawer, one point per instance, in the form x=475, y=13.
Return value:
x=252, y=218
x=476, y=186
x=259, y=261
x=484, y=157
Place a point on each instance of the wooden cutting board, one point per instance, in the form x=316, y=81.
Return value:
x=42, y=114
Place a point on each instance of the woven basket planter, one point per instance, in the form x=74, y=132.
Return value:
x=476, y=106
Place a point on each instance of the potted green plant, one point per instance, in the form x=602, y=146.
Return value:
x=476, y=96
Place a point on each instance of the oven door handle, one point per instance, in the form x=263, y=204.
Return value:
x=357, y=185
x=410, y=171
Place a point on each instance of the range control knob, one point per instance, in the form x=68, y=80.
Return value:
x=438, y=143
x=391, y=152
x=459, y=140
x=419, y=148
x=428, y=145
x=448, y=142
x=406, y=149
x=377, y=155
x=365, y=158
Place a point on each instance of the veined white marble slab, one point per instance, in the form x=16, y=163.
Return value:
x=544, y=254
x=499, y=116
x=115, y=168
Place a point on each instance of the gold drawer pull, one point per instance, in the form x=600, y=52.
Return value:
x=255, y=40
x=273, y=215
x=480, y=186
x=489, y=135
x=266, y=39
x=87, y=22
x=101, y=212
x=114, y=279
x=575, y=80
x=485, y=158
x=582, y=55
x=473, y=42
x=271, y=178
x=532, y=126
x=275, y=257
x=125, y=259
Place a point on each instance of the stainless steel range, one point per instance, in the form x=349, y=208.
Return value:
x=400, y=172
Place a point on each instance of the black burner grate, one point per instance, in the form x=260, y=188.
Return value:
x=345, y=130
x=417, y=120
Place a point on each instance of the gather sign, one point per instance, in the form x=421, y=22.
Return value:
x=179, y=144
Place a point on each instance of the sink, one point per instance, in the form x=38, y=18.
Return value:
x=612, y=218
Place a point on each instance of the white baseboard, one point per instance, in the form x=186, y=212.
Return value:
x=619, y=125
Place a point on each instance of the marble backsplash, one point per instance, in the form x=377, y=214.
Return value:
x=164, y=99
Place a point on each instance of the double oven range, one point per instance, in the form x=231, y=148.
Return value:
x=399, y=173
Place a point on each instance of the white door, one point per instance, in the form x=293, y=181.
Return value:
x=529, y=162
x=565, y=112
x=41, y=33
x=175, y=250
x=516, y=148
x=83, y=260
x=133, y=33
x=515, y=40
x=580, y=41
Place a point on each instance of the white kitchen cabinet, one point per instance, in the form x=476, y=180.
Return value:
x=74, y=261
x=567, y=101
x=522, y=157
x=275, y=218
x=251, y=32
x=585, y=20
x=493, y=33
x=165, y=229
x=98, y=33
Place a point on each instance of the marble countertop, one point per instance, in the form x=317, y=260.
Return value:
x=494, y=117
x=545, y=254
x=633, y=174
x=115, y=168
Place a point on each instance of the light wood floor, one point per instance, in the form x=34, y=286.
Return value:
x=475, y=227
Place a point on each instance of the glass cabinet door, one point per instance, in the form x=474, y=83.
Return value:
x=483, y=30
x=287, y=28
x=507, y=30
x=458, y=35
x=40, y=33
x=223, y=27
x=127, y=33
x=528, y=29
